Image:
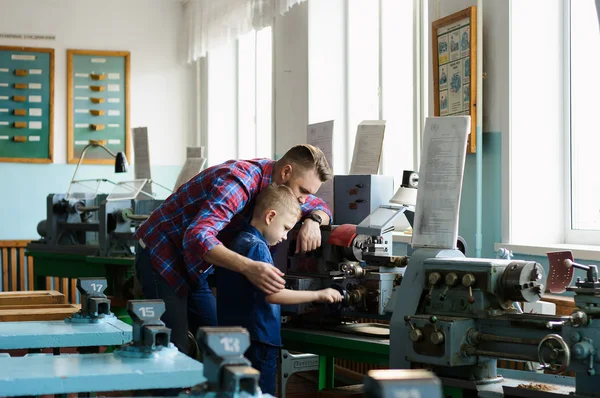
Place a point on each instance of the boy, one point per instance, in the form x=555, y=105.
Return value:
x=240, y=303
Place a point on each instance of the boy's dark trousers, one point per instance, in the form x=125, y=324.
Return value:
x=264, y=359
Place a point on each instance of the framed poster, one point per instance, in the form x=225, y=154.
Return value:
x=454, y=44
x=26, y=104
x=98, y=104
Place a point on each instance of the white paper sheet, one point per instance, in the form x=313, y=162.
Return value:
x=367, y=147
x=20, y=57
x=35, y=111
x=321, y=136
x=141, y=152
x=440, y=181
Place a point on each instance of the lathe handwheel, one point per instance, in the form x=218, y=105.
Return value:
x=554, y=354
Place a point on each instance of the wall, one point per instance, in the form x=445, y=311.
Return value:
x=162, y=91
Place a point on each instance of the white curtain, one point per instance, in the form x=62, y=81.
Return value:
x=213, y=23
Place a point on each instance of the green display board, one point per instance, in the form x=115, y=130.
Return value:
x=98, y=104
x=26, y=104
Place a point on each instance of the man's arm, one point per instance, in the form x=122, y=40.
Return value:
x=309, y=236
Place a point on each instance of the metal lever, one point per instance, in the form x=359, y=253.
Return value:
x=592, y=270
x=437, y=337
x=557, y=324
x=450, y=280
x=468, y=280
x=434, y=278
x=415, y=334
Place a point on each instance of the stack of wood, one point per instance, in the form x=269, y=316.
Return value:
x=41, y=305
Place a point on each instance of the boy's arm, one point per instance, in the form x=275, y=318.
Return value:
x=286, y=297
x=260, y=252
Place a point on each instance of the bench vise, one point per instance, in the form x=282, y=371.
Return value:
x=228, y=373
x=150, y=334
x=95, y=305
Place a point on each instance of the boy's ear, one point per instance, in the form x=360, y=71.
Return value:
x=270, y=216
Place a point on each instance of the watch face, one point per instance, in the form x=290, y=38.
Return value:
x=316, y=218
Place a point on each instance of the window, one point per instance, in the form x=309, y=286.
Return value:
x=361, y=67
x=583, y=225
x=239, y=99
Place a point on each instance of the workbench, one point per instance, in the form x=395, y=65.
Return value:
x=116, y=270
x=58, y=334
x=73, y=265
x=329, y=345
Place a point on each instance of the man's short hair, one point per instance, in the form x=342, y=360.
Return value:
x=307, y=158
x=279, y=198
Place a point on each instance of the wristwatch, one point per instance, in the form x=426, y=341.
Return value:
x=315, y=217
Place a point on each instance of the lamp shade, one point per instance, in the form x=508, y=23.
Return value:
x=120, y=163
x=405, y=196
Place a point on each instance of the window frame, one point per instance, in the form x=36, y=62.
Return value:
x=571, y=235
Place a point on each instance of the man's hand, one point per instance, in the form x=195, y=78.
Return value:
x=309, y=236
x=265, y=277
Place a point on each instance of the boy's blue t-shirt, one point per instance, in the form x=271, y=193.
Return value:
x=239, y=302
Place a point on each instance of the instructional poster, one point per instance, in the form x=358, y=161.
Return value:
x=454, y=66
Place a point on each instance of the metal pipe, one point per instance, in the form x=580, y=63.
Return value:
x=479, y=135
x=86, y=208
x=473, y=352
x=505, y=339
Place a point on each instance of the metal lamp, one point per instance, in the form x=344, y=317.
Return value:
x=120, y=160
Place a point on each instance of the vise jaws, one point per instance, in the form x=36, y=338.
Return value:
x=94, y=303
x=149, y=333
x=228, y=373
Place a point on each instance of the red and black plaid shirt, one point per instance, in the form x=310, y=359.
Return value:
x=206, y=211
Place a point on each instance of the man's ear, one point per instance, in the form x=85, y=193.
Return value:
x=270, y=216
x=286, y=173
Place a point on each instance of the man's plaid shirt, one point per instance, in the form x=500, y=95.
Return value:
x=206, y=211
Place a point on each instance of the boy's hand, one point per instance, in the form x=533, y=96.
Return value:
x=329, y=296
x=265, y=277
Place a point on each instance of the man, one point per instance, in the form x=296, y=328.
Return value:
x=189, y=232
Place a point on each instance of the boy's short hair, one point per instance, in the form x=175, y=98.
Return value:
x=279, y=198
x=307, y=158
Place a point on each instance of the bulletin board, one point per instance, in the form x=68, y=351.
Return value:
x=26, y=104
x=454, y=44
x=98, y=104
